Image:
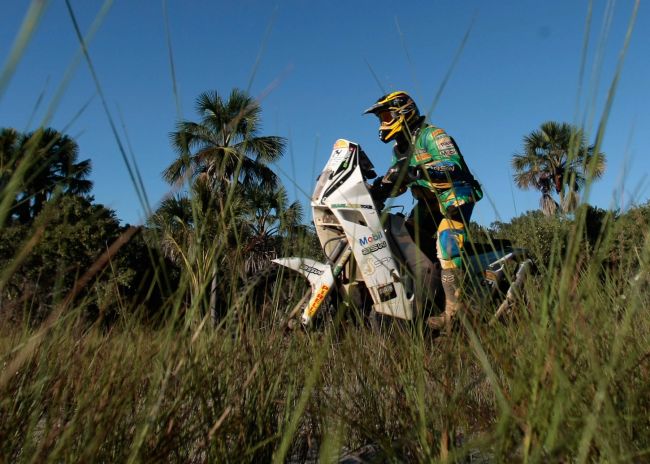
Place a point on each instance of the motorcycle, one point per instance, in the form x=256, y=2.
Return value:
x=372, y=260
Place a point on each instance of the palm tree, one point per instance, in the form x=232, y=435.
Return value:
x=44, y=163
x=557, y=159
x=56, y=167
x=196, y=234
x=270, y=220
x=8, y=148
x=221, y=156
x=224, y=146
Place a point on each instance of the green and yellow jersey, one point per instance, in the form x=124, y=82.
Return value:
x=443, y=171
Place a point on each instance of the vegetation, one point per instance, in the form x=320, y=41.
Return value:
x=557, y=159
x=45, y=164
x=568, y=380
x=224, y=161
x=106, y=353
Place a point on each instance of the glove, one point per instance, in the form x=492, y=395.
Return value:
x=380, y=187
x=384, y=187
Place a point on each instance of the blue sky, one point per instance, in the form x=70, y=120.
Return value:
x=317, y=65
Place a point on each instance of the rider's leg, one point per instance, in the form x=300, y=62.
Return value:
x=452, y=235
x=425, y=218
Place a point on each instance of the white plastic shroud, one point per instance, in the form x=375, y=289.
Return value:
x=342, y=203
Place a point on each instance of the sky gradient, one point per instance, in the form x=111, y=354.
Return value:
x=315, y=66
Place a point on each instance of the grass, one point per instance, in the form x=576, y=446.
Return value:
x=565, y=378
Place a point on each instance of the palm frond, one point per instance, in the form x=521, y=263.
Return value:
x=178, y=170
x=268, y=149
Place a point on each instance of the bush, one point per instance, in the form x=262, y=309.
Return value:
x=45, y=260
x=543, y=236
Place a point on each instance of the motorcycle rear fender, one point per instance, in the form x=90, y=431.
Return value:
x=320, y=279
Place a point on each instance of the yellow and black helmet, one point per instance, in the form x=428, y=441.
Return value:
x=397, y=112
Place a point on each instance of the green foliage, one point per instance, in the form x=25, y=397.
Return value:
x=62, y=243
x=543, y=236
x=36, y=166
x=47, y=259
x=613, y=237
x=556, y=159
x=224, y=147
x=630, y=232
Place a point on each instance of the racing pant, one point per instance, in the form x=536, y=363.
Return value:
x=451, y=236
x=451, y=230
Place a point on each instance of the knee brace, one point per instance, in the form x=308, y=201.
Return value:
x=451, y=237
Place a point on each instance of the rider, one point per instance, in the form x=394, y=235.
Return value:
x=428, y=161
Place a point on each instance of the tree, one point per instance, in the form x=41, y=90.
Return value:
x=269, y=220
x=63, y=241
x=195, y=234
x=37, y=165
x=224, y=147
x=556, y=159
x=220, y=156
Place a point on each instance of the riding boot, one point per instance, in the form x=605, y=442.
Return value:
x=450, y=285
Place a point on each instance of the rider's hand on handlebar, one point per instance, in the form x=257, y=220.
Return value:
x=391, y=176
x=380, y=191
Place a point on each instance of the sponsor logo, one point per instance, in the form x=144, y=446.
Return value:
x=386, y=292
x=318, y=299
x=448, y=152
x=373, y=248
x=423, y=157
x=444, y=144
x=363, y=241
x=443, y=167
x=437, y=132
x=373, y=263
x=310, y=269
x=343, y=205
x=381, y=261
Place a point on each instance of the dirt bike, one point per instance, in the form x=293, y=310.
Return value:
x=372, y=260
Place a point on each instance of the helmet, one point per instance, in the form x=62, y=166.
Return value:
x=397, y=112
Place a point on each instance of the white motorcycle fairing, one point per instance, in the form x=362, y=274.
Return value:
x=342, y=201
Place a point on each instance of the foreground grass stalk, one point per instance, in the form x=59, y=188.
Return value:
x=609, y=370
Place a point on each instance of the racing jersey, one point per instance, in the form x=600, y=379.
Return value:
x=442, y=171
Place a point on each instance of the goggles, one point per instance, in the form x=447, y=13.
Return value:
x=387, y=117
